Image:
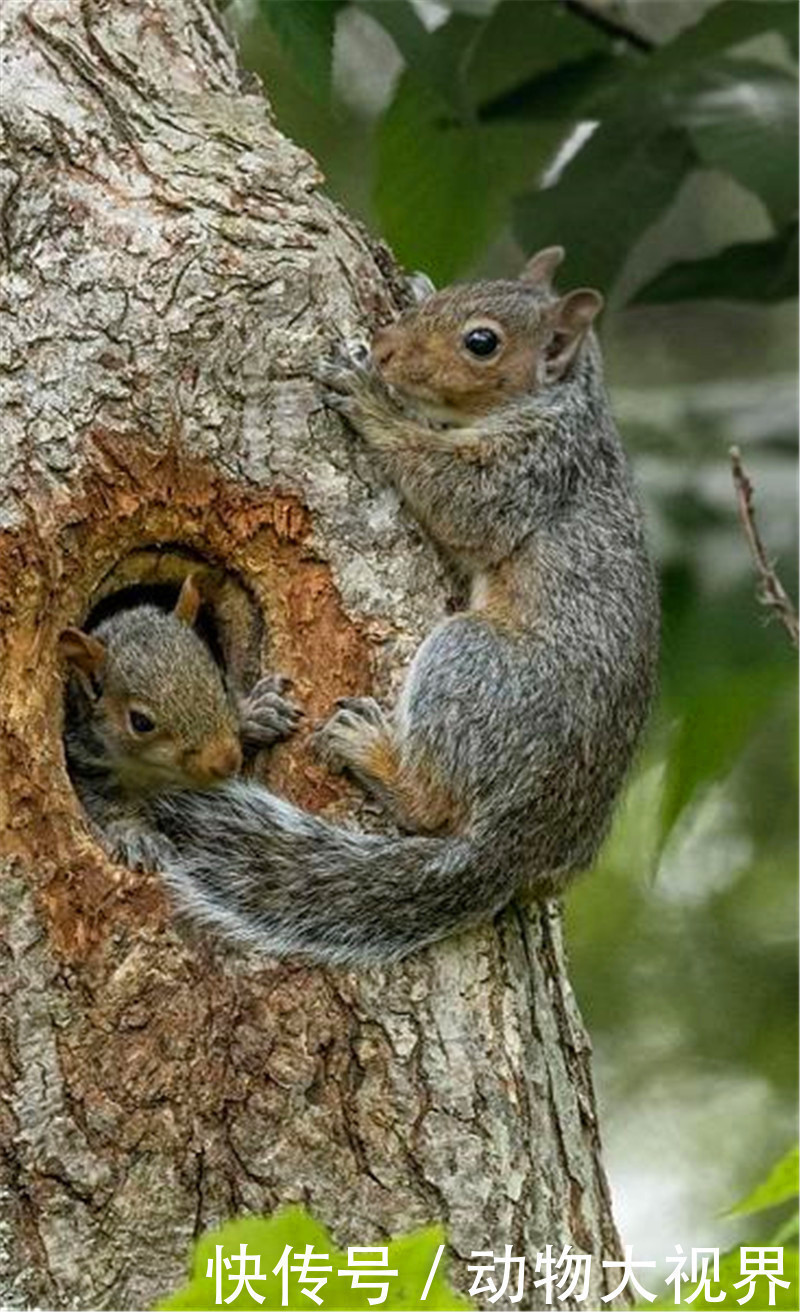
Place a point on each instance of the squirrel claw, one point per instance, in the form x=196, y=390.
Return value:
x=337, y=401
x=270, y=683
x=137, y=847
x=266, y=715
x=342, y=372
x=344, y=357
x=365, y=708
x=341, y=741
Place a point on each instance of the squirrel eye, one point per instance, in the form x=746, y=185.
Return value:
x=140, y=723
x=481, y=341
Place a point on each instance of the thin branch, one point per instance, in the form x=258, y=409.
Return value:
x=771, y=591
x=611, y=26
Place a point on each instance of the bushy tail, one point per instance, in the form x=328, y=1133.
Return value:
x=252, y=864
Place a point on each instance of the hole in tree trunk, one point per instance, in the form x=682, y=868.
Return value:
x=139, y=518
x=229, y=622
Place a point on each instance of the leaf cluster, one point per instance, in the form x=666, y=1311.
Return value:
x=577, y=130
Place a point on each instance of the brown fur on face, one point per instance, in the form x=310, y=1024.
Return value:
x=162, y=758
x=145, y=662
x=424, y=354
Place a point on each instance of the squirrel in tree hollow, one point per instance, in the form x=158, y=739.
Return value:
x=148, y=709
x=519, y=716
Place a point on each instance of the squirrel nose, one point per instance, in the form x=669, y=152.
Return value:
x=217, y=760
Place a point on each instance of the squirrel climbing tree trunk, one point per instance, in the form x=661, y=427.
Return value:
x=171, y=271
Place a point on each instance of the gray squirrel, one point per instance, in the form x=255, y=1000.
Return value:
x=519, y=717
x=148, y=709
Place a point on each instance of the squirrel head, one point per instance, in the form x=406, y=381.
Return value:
x=159, y=706
x=469, y=349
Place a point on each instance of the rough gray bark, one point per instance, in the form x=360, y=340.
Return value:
x=170, y=272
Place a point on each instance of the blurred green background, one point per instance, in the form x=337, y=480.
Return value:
x=658, y=143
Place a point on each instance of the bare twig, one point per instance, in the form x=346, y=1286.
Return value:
x=771, y=591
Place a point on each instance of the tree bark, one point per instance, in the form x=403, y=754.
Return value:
x=171, y=271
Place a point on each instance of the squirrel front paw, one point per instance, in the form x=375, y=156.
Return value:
x=266, y=715
x=133, y=845
x=351, y=736
x=351, y=385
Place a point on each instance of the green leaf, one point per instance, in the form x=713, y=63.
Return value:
x=789, y=1230
x=570, y=92
x=667, y=112
x=719, y=715
x=781, y=1184
x=443, y=188
x=598, y=84
x=265, y=1239
x=401, y=21
x=470, y=59
x=609, y=194
x=763, y=271
x=306, y=31
x=437, y=59
x=660, y=114
x=739, y=116
x=728, y=25
x=742, y=118
x=522, y=41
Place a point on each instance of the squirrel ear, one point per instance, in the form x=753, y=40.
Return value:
x=189, y=601
x=572, y=317
x=540, y=268
x=419, y=287
x=82, y=650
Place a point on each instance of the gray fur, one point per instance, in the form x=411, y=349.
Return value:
x=531, y=726
x=155, y=661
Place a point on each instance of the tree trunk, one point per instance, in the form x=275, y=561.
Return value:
x=170, y=273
